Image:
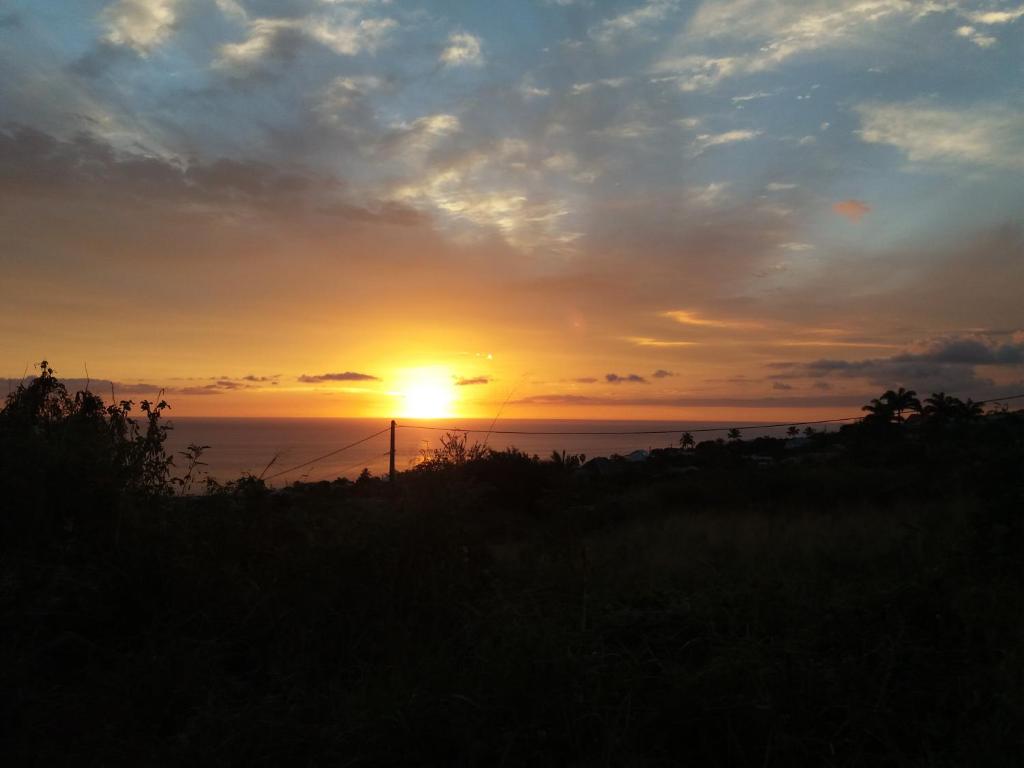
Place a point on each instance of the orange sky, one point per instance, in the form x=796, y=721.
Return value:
x=702, y=210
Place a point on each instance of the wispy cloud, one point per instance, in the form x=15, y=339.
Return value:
x=983, y=134
x=688, y=317
x=765, y=35
x=640, y=18
x=278, y=39
x=647, y=341
x=707, y=140
x=346, y=376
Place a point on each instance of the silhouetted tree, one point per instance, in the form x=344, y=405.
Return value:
x=734, y=434
x=792, y=432
x=879, y=410
x=686, y=441
x=902, y=400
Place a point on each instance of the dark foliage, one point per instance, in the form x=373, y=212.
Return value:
x=849, y=599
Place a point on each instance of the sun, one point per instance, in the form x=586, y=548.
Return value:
x=427, y=393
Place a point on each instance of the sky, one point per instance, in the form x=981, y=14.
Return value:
x=546, y=208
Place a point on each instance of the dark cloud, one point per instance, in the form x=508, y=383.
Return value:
x=382, y=213
x=661, y=373
x=125, y=389
x=36, y=163
x=461, y=382
x=585, y=380
x=633, y=378
x=100, y=59
x=210, y=389
x=946, y=364
x=968, y=351
x=346, y=376
x=558, y=399
x=781, y=385
x=853, y=401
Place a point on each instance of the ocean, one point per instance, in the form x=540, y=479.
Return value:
x=268, y=446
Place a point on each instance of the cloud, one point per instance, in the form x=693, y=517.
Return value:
x=968, y=350
x=991, y=135
x=851, y=209
x=710, y=195
x=462, y=382
x=630, y=22
x=647, y=341
x=280, y=39
x=585, y=380
x=781, y=385
x=207, y=390
x=463, y=49
x=139, y=24
x=346, y=376
x=852, y=401
x=37, y=164
x=632, y=378
x=946, y=363
x=707, y=140
x=688, y=317
x=976, y=37
x=996, y=17
x=661, y=373
x=767, y=34
x=751, y=96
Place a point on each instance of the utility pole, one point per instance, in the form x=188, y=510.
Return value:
x=391, y=468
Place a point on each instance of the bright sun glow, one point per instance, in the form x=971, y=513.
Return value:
x=428, y=393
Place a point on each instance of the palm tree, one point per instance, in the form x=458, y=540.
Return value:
x=686, y=441
x=733, y=434
x=792, y=432
x=970, y=410
x=879, y=410
x=942, y=407
x=902, y=400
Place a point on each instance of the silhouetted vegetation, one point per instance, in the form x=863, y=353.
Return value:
x=847, y=597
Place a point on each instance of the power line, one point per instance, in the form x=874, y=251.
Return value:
x=363, y=461
x=327, y=455
x=677, y=430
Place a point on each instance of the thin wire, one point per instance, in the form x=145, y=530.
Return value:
x=352, y=466
x=669, y=431
x=998, y=399
x=327, y=455
x=571, y=432
x=629, y=432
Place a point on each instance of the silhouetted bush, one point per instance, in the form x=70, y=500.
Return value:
x=854, y=602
